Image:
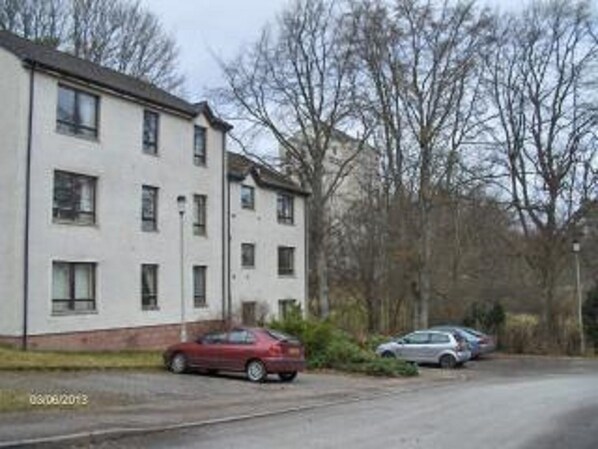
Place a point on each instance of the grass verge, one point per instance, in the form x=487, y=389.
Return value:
x=16, y=360
x=13, y=401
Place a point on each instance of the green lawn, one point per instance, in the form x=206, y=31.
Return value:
x=13, y=401
x=14, y=359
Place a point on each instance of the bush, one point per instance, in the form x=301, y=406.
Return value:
x=373, y=341
x=521, y=335
x=489, y=317
x=329, y=347
x=377, y=366
x=342, y=350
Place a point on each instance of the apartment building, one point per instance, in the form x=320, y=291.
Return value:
x=92, y=165
x=268, y=241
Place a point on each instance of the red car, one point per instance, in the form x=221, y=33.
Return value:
x=255, y=351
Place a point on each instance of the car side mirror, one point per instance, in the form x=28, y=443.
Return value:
x=199, y=341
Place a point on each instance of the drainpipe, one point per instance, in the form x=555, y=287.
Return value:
x=229, y=294
x=27, y=212
x=226, y=313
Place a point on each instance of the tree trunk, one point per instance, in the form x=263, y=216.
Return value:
x=425, y=224
x=322, y=274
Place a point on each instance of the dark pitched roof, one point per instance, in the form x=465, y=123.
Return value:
x=203, y=108
x=48, y=58
x=239, y=166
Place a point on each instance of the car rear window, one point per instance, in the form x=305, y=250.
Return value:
x=281, y=336
x=458, y=336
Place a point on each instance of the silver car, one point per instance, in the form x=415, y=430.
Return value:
x=448, y=349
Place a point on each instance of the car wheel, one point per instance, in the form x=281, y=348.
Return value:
x=447, y=361
x=178, y=363
x=388, y=355
x=287, y=377
x=256, y=371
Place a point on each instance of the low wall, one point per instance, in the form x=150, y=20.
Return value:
x=146, y=337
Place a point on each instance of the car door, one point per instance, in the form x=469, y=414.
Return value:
x=208, y=354
x=415, y=346
x=439, y=341
x=237, y=350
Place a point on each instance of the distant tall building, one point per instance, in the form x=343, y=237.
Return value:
x=357, y=160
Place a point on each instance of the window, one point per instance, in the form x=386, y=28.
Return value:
x=199, y=214
x=149, y=287
x=149, y=208
x=74, y=198
x=249, y=313
x=247, y=197
x=77, y=112
x=215, y=338
x=439, y=338
x=286, y=260
x=417, y=338
x=285, y=208
x=199, y=145
x=150, y=132
x=73, y=287
x=247, y=255
x=199, y=286
x=285, y=306
x=240, y=337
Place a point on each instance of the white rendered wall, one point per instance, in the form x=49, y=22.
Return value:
x=14, y=96
x=116, y=243
x=262, y=284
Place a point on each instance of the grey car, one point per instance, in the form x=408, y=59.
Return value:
x=447, y=349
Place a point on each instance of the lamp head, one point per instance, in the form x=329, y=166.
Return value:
x=181, y=201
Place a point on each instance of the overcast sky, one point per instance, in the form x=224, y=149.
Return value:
x=203, y=28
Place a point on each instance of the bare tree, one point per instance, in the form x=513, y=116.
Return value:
x=124, y=36
x=543, y=81
x=358, y=256
x=422, y=63
x=118, y=34
x=42, y=21
x=296, y=83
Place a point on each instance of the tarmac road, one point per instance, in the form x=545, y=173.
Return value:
x=541, y=405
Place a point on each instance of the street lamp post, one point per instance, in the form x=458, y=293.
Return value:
x=582, y=341
x=181, y=203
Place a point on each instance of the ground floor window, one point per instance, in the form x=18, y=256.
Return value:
x=249, y=313
x=285, y=306
x=73, y=287
x=199, y=286
x=149, y=286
